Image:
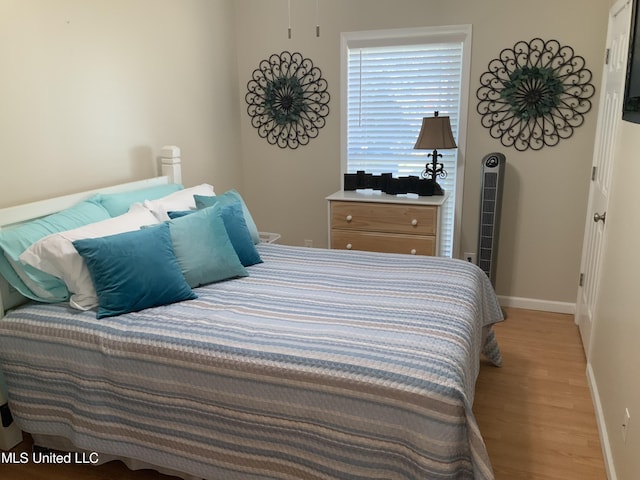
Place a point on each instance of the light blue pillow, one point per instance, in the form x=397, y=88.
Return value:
x=226, y=198
x=119, y=203
x=13, y=241
x=203, y=248
x=134, y=270
x=237, y=230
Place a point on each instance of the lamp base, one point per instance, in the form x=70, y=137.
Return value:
x=437, y=189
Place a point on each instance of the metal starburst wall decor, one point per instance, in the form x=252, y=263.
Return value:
x=287, y=100
x=534, y=94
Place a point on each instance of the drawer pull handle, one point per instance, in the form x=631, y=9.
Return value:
x=413, y=251
x=349, y=246
x=349, y=218
x=414, y=222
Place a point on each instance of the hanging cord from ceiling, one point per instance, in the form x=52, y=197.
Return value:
x=289, y=29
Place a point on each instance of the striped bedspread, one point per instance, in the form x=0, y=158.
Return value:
x=322, y=364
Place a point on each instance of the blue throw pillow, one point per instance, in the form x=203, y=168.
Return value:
x=134, y=270
x=119, y=203
x=226, y=198
x=236, y=226
x=203, y=248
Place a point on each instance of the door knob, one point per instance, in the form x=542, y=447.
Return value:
x=599, y=218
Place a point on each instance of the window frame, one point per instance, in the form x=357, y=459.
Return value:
x=408, y=36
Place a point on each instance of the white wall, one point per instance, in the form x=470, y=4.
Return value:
x=545, y=191
x=91, y=90
x=614, y=354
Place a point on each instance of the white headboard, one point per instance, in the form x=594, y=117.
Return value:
x=170, y=165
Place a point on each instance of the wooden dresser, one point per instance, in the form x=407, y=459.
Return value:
x=374, y=221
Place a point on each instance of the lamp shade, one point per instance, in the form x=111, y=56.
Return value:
x=435, y=134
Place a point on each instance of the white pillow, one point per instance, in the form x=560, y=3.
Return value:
x=56, y=255
x=177, y=201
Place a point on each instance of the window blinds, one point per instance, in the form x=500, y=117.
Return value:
x=389, y=91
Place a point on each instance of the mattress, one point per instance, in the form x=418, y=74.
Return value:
x=321, y=364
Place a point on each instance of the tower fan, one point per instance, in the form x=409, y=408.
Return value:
x=493, y=168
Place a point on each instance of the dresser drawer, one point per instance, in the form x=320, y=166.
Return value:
x=408, y=219
x=383, y=242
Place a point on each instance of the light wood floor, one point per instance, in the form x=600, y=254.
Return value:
x=535, y=413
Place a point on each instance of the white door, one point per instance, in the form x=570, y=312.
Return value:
x=611, y=98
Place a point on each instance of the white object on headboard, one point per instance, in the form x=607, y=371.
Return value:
x=171, y=173
x=170, y=160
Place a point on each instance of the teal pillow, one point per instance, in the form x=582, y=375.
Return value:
x=237, y=230
x=30, y=282
x=226, y=198
x=119, y=203
x=203, y=248
x=134, y=270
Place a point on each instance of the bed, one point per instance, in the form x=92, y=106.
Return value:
x=316, y=364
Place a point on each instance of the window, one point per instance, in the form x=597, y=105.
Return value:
x=391, y=80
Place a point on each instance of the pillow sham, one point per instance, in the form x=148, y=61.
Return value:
x=135, y=270
x=180, y=200
x=56, y=255
x=119, y=203
x=40, y=284
x=226, y=198
x=203, y=248
x=236, y=228
x=15, y=240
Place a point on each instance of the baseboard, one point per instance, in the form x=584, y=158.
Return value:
x=602, y=426
x=536, y=304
